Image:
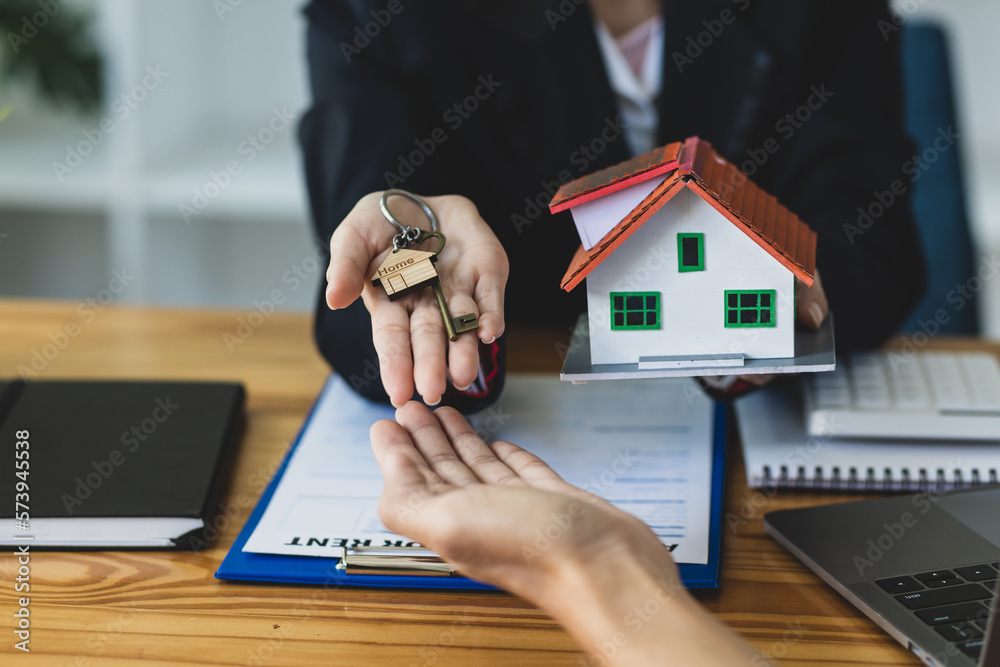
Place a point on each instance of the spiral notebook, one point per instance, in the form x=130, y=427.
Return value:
x=778, y=453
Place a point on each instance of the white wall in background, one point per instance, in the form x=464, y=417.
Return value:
x=197, y=85
x=226, y=75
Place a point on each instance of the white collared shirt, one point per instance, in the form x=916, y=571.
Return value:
x=636, y=95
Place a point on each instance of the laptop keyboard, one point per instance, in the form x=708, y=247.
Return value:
x=955, y=602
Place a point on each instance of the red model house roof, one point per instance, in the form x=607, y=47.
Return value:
x=640, y=168
x=694, y=165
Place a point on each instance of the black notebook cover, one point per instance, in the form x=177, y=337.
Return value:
x=121, y=449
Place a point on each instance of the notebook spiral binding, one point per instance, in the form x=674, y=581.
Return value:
x=867, y=480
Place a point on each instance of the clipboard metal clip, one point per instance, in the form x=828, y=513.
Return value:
x=399, y=561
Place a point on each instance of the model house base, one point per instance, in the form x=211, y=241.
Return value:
x=814, y=352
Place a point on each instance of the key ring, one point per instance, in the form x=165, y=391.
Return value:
x=406, y=235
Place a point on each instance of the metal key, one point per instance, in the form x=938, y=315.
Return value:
x=401, y=276
x=453, y=325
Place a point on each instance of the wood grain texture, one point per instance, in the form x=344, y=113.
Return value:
x=166, y=608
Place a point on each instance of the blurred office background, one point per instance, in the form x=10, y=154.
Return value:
x=222, y=71
x=197, y=192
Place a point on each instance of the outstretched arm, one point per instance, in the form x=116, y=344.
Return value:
x=483, y=507
x=367, y=109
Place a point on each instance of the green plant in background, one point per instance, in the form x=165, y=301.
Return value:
x=48, y=43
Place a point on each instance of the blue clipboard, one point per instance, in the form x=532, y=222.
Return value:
x=239, y=565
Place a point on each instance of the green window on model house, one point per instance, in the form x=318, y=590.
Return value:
x=690, y=252
x=750, y=308
x=635, y=310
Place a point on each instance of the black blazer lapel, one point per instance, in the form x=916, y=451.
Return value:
x=587, y=84
x=716, y=76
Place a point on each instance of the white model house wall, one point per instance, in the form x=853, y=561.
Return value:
x=692, y=311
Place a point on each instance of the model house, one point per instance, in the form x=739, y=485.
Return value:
x=687, y=262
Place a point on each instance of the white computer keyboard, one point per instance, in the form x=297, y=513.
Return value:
x=927, y=395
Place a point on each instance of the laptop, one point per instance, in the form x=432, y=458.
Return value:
x=923, y=566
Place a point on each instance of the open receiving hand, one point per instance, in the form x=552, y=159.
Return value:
x=491, y=510
x=409, y=334
x=499, y=514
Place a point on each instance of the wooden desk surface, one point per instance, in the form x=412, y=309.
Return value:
x=166, y=607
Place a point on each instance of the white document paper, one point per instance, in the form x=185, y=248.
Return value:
x=644, y=445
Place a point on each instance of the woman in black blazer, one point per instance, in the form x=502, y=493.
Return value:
x=501, y=102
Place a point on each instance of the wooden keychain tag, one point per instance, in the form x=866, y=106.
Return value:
x=406, y=271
